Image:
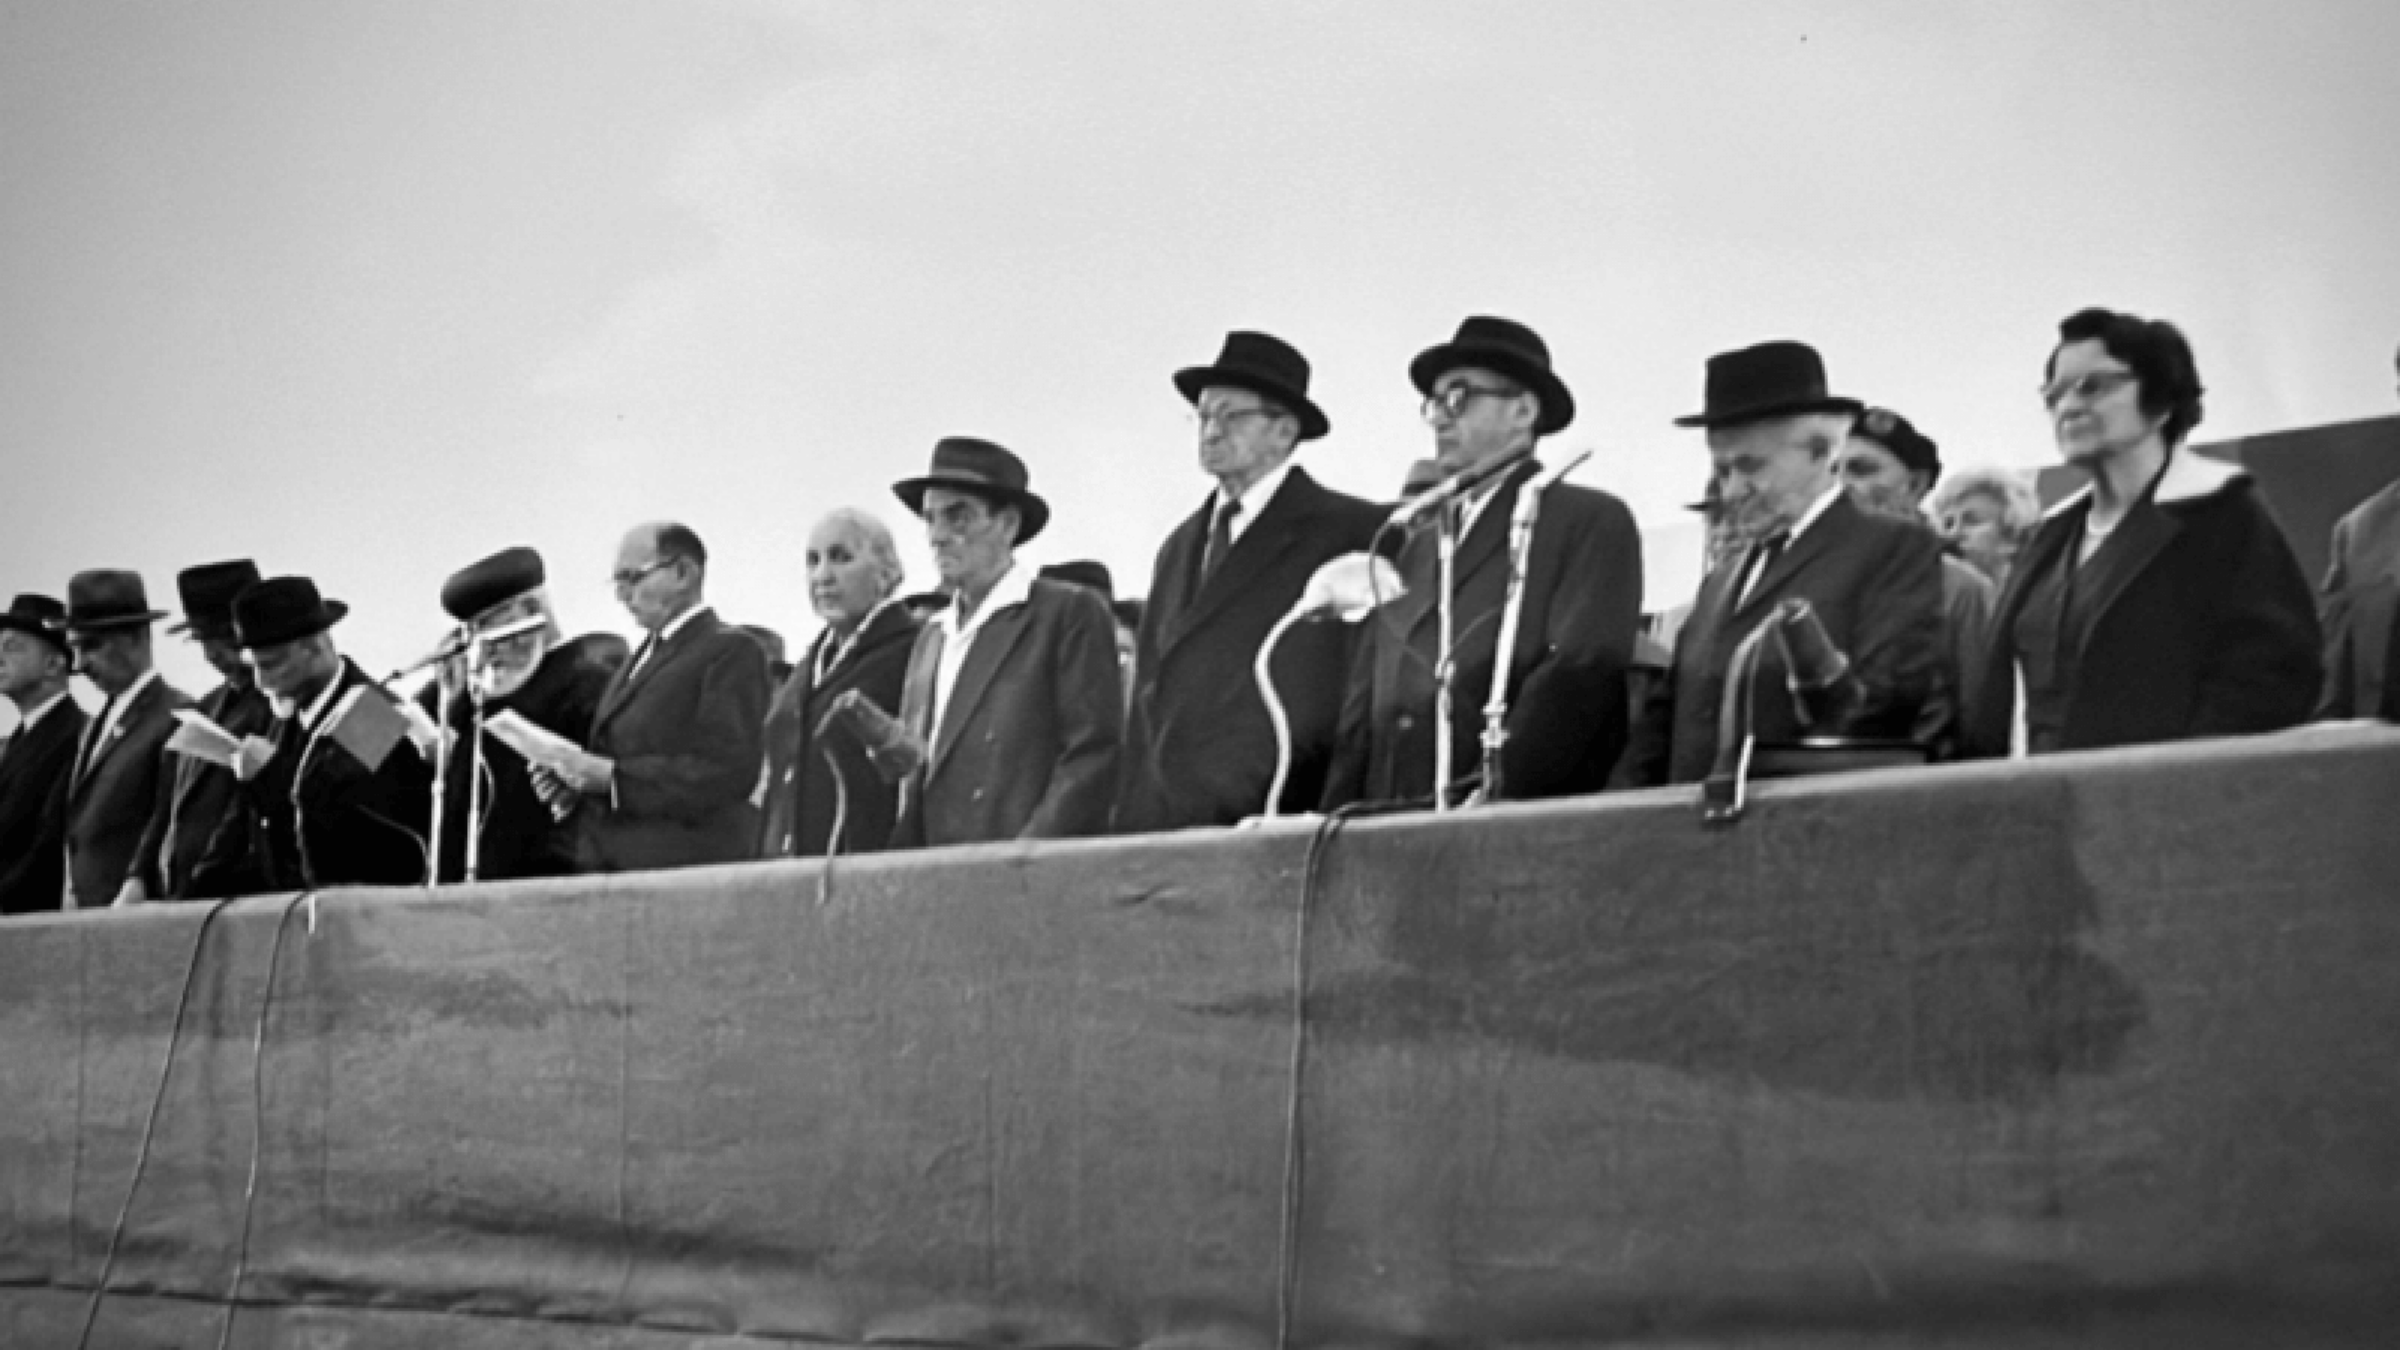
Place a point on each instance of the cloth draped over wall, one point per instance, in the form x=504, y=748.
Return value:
x=2059, y=1050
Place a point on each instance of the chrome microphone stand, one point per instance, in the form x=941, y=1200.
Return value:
x=1520, y=549
x=1446, y=545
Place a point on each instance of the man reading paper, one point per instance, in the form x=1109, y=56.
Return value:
x=346, y=799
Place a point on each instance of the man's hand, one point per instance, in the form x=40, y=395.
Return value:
x=553, y=792
x=133, y=892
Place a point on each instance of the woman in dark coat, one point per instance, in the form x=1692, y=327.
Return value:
x=2161, y=603
x=854, y=585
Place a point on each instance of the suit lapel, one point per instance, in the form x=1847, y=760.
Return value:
x=1822, y=534
x=1274, y=533
x=1483, y=547
x=991, y=647
x=628, y=681
x=2140, y=536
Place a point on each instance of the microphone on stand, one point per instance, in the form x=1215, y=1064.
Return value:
x=1453, y=487
x=449, y=648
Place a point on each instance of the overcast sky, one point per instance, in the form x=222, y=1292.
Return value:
x=367, y=291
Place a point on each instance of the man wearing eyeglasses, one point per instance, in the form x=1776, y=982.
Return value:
x=1490, y=397
x=1200, y=750
x=677, y=742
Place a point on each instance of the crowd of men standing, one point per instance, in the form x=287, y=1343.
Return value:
x=2160, y=603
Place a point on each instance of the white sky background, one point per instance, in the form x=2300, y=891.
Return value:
x=367, y=291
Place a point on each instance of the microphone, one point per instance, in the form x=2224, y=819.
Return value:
x=1453, y=487
x=466, y=638
x=1548, y=478
x=1818, y=673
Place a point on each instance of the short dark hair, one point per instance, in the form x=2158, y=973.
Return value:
x=2157, y=353
x=677, y=543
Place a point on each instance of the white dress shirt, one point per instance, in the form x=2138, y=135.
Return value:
x=1014, y=587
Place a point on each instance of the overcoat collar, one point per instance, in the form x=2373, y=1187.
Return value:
x=888, y=625
x=2140, y=537
x=1837, y=519
x=154, y=688
x=993, y=643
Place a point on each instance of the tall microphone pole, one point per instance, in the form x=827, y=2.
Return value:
x=1520, y=551
x=1446, y=535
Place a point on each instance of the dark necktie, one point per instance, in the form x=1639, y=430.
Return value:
x=91, y=741
x=1761, y=558
x=1220, y=539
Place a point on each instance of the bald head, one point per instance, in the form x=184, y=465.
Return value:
x=660, y=569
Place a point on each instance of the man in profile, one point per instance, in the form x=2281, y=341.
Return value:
x=34, y=665
x=677, y=742
x=119, y=762
x=196, y=797
x=343, y=796
x=1874, y=582
x=1010, y=711
x=1200, y=749
x=1490, y=396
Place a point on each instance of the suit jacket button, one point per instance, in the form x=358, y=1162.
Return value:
x=978, y=794
x=1405, y=721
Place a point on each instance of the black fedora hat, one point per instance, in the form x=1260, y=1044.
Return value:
x=1914, y=449
x=283, y=609
x=207, y=592
x=1265, y=365
x=1088, y=573
x=1772, y=379
x=108, y=598
x=1503, y=347
x=39, y=615
x=991, y=472
x=503, y=576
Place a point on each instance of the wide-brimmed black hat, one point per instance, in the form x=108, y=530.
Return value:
x=1265, y=365
x=106, y=598
x=283, y=609
x=39, y=615
x=207, y=592
x=1772, y=379
x=991, y=472
x=1088, y=573
x=1503, y=347
x=1913, y=448
x=503, y=576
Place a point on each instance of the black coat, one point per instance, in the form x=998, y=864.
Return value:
x=33, y=804
x=1199, y=748
x=1027, y=746
x=520, y=837
x=801, y=790
x=1567, y=703
x=2208, y=628
x=322, y=818
x=109, y=802
x=687, y=731
x=196, y=799
x=1876, y=585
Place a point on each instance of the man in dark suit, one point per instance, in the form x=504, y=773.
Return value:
x=343, y=796
x=197, y=798
x=1200, y=749
x=120, y=760
x=1011, y=709
x=1873, y=581
x=2358, y=606
x=678, y=741
x=34, y=665
x=1490, y=397
x=527, y=669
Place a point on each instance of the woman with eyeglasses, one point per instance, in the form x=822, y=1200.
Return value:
x=2159, y=603
x=854, y=577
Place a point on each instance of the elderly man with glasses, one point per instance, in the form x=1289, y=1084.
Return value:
x=1200, y=749
x=1490, y=396
x=677, y=742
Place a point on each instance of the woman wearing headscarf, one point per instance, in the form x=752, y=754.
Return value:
x=2159, y=603
x=818, y=782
